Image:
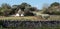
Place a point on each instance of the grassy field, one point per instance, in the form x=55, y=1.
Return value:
x=27, y=18
x=32, y=18
x=54, y=17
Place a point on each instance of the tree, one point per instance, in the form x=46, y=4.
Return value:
x=14, y=9
x=30, y=9
x=24, y=5
x=53, y=9
x=5, y=9
x=5, y=6
x=55, y=4
x=27, y=13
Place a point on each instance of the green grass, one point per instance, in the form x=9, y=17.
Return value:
x=32, y=28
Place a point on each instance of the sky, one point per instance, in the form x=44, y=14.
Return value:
x=35, y=3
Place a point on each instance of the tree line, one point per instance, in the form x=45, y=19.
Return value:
x=6, y=9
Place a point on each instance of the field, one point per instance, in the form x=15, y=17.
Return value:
x=32, y=18
x=26, y=18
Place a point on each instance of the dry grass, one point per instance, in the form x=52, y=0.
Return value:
x=54, y=17
x=29, y=18
x=32, y=18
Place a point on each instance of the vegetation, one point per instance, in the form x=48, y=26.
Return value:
x=53, y=9
x=6, y=9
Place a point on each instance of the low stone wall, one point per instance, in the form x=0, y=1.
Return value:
x=30, y=23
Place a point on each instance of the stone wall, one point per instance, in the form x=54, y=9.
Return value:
x=30, y=23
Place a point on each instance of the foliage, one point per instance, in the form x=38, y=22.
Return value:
x=53, y=9
x=55, y=4
x=24, y=5
x=5, y=9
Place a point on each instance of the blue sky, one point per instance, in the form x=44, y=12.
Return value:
x=36, y=3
